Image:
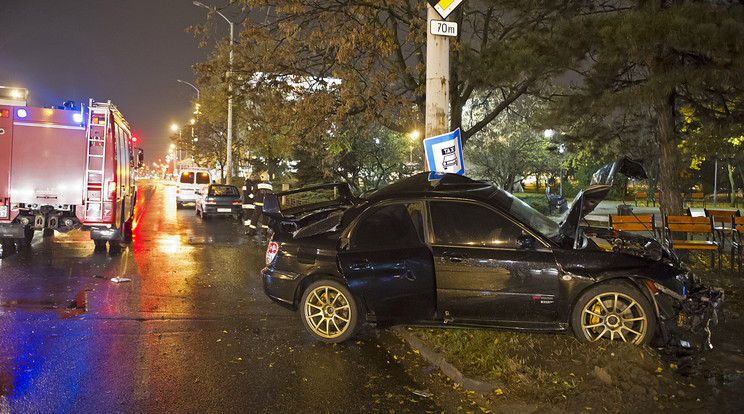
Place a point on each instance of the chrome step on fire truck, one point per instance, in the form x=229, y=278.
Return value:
x=66, y=168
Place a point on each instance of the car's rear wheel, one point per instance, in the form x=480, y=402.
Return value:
x=329, y=311
x=616, y=311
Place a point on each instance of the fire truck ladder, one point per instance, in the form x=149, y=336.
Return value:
x=94, y=170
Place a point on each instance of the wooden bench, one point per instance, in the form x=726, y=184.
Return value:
x=641, y=197
x=641, y=222
x=696, y=197
x=722, y=223
x=702, y=226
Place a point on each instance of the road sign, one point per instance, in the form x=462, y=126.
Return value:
x=444, y=153
x=442, y=28
x=444, y=7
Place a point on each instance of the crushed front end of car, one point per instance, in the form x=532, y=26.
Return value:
x=687, y=311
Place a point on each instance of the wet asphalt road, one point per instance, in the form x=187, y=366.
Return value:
x=192, y=331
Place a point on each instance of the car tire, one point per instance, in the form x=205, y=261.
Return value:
x=614, y=310
x=329, y=311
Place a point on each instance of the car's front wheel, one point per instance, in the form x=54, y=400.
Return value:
x=329, y=311
x=616, y=311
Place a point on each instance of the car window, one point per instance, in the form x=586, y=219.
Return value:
x=187, y=177
x=202, y=178
x=220, y=190
x=470, y=224
x=393, y=225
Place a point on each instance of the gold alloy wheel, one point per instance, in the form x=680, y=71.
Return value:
x=327, y=312
x=614, y=316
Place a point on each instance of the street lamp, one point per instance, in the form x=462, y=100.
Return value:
x=195, y=88
x=414, y=136
x=229, y=92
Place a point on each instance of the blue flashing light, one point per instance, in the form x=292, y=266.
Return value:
x=22, y=113
x=77, y=117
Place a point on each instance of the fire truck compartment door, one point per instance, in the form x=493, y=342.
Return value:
x=47, y=164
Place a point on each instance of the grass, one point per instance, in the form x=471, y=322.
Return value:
x=554, y=368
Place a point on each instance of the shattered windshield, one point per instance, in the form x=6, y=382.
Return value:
x=528, y=215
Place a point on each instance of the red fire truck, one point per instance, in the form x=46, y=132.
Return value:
x=63, y=169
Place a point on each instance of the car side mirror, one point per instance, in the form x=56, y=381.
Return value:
x=526, y=242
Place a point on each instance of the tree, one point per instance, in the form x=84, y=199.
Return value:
x=376, y=52
x=511, y=146
x=650, y=60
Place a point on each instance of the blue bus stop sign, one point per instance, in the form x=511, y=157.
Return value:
x=444, y=153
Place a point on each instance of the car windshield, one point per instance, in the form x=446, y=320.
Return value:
x=528, y=215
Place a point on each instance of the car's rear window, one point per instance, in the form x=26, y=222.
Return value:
x=223, y=190
x=187, y=177
x=202, y=178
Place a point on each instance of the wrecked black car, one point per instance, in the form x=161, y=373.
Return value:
x=442, y=249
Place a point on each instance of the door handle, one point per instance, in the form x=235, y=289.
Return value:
x=363, y=264
x=453, y=257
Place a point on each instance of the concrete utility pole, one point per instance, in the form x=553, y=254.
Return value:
x=437, y=80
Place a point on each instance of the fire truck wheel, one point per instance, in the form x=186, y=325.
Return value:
x=100, y=244
x=127, y=231
x=25, y=241
x=114, y=246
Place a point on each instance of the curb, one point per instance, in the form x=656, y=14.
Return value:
x=440, y=362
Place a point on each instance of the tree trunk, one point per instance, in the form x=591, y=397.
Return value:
x=732, y=196
x=671, y=200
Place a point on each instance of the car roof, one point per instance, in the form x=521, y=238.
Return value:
x=430, y=185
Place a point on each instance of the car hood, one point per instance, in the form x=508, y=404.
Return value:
x=588, y=199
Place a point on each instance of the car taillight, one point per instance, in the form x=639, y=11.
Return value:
x=237, y=203
x=210, y=202
x=271, y=251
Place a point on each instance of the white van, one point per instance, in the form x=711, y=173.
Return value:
x=190, y=180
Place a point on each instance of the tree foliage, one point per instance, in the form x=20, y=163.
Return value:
x=645, y=63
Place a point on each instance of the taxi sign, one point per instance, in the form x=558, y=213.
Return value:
x=444, y=153
x=444, y=7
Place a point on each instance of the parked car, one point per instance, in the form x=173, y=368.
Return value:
x=190, y=180
x=447, y=250
x=218, y=199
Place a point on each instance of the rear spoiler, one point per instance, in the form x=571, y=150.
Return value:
x=272, y=201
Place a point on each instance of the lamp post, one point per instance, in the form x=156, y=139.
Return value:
x=414, y=136
x=229, y=92
x=187, y=83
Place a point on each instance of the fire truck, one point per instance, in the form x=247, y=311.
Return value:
x=66, y=168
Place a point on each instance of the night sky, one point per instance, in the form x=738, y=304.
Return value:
x=131, y=52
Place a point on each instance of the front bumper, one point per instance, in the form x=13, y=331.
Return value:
x=696, y=314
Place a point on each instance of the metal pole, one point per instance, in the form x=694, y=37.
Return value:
x=715, y=185
x=437, y=80
x=195, y=88
x=229, y=92
x=229, y=109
